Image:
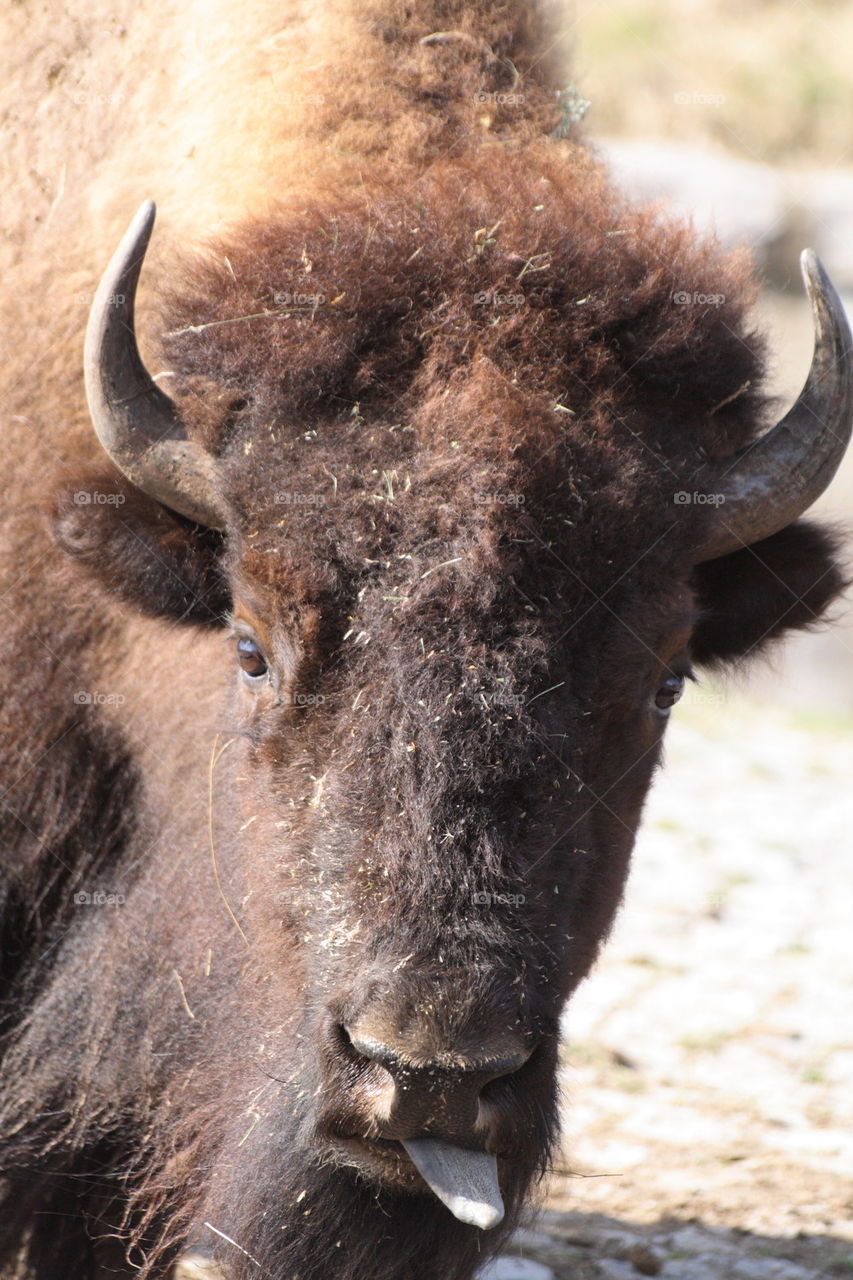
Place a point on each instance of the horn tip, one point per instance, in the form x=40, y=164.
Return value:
x=812, y=268
x=143, y=219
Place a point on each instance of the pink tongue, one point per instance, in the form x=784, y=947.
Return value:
x=465, y=1181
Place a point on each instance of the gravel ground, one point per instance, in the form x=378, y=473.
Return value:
x=708, y=1067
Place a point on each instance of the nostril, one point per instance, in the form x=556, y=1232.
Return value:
x=354, y=1052
x=363, y=1048
x=371, y=1050
x=344, y=1040
x=499, y=1068
x=370, y=1090
x=501, y=1088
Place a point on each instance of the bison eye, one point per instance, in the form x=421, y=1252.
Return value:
x=251, y=659
x=669, y=692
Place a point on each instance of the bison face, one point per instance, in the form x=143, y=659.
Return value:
x=459, y=617
x=443, y=754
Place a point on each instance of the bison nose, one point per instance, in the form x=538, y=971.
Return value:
x=433, y=1091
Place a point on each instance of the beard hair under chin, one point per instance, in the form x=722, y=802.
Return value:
x=278, y=1211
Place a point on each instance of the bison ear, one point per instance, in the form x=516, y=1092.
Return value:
x=141, y=552
x=757, y=594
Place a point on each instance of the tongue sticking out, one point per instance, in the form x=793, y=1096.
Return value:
x=465, y=1181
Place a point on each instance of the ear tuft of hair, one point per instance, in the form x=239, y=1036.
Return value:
x=761, y=593
x=138, y=551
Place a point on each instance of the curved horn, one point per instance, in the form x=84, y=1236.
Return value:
x=776, y=479
x=136, y=423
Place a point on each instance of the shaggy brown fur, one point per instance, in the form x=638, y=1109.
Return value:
x=452, y=406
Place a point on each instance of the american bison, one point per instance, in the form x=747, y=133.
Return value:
x=336, y=673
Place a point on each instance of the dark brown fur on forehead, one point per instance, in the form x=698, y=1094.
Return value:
x=528, y=260
x=496, y=368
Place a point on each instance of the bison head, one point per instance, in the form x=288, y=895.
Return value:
x=473, y=491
